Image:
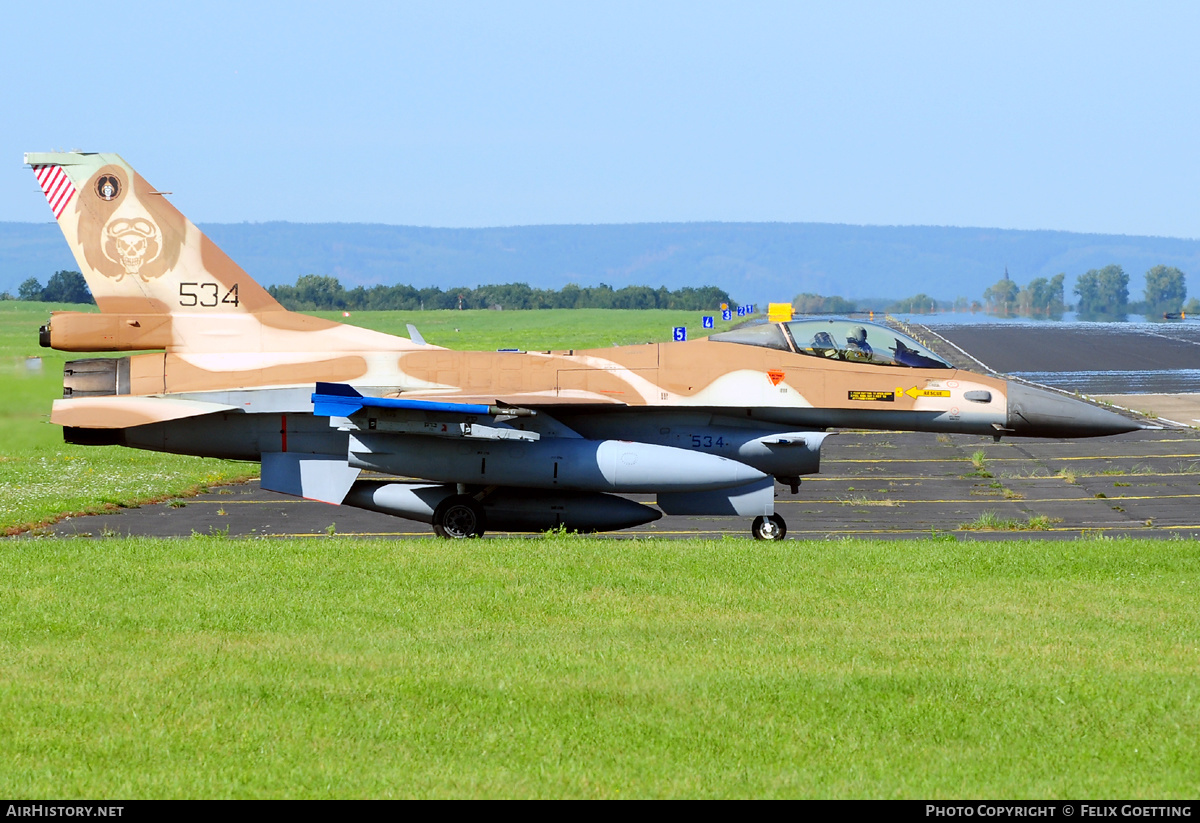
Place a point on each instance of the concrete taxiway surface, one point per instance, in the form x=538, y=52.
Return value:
x=872, y=484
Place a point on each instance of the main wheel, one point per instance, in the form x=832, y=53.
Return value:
x=769, y=528
x=458, y=517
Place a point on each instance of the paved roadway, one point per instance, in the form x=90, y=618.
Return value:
x=1092, y=358
x=874, y=484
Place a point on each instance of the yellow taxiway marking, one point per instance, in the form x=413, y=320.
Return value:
x=191, y=501
x=1144, y=497
x=642, y=533
x=1133, y=526
x=893, y=502
x=931, y=478
x=625, y=533
x=995, y=459
x=846, y=438
x=345, y=534
x=1130, y=457
x=897, y=494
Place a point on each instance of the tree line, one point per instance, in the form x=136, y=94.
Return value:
x=808, y=303
x=63, y=287
x=1102, y=294
x=320, y=292
x=1042, y=297
x=314, y=292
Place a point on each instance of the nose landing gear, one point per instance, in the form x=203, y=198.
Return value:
x=769, y=528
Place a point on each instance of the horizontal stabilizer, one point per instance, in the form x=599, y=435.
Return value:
x=123, y=411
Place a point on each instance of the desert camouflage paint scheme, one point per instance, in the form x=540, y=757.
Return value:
x=506, y=440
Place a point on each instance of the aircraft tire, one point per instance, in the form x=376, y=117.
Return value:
x=458, y=517
x=769, y=528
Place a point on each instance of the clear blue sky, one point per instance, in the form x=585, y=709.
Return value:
x=1079, y=116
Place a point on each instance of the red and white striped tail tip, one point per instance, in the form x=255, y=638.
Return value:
x=57, y=187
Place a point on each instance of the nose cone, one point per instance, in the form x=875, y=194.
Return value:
x=1039, y=413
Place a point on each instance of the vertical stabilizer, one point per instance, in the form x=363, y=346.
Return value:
x=138, y=254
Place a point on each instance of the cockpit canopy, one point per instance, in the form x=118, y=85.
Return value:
x=851, y=340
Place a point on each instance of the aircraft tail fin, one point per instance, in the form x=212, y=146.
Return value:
x=137, y=252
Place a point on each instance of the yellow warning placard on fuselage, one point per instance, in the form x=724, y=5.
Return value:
x=874, y=396
x=914, y=392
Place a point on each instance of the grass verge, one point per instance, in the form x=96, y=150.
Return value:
x=991, y=521
x=573, y=667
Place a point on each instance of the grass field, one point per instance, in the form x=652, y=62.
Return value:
x=573, y=667
x=42, y=478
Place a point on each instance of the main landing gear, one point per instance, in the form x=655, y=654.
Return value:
x=458, y=516
x=769, y=528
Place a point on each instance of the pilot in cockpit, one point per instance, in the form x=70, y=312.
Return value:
x=823, y=345
x=857, y=347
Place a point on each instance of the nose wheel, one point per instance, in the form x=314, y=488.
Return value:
x=769, y=528
x=458, y=517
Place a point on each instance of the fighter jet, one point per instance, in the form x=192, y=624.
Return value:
x=468, y=441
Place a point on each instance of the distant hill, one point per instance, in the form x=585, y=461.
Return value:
x=754, y=262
